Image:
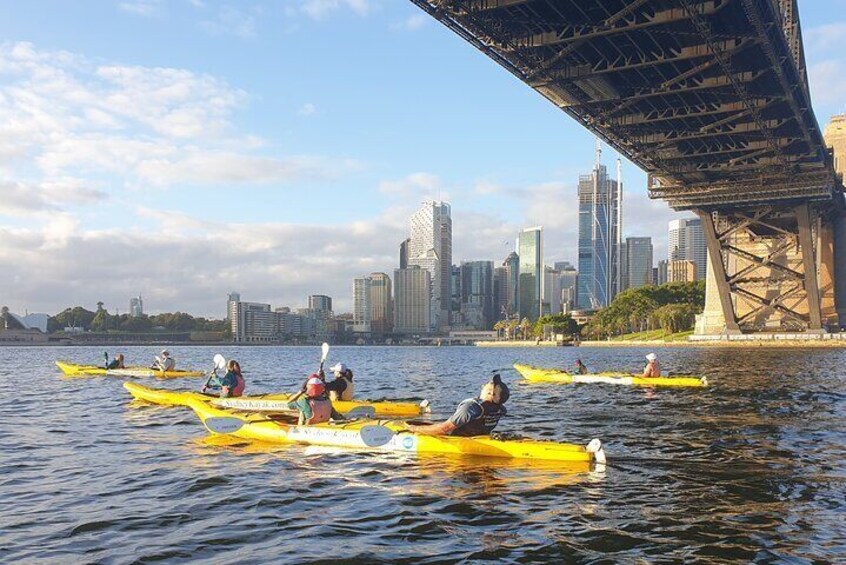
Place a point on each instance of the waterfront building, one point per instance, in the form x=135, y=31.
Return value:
x=681, y=270
x=511, y=287
x=600, y=213
x=403, y=253
x=320, y=302
x=551, y=291
x=638, y=262
x=381, y=304
x=530, y=248
x=661, y=272
x=500, y=276
x=569, y=277
x=136, y=307
x=455, y=319
x=362, y=311
x=686, y=242
x=412, y=301
x=252, y=322
x=477, y=295
x=430, y=248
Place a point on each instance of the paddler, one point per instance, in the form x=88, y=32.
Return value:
x=652, y=369
x=314, y=406
x=232, y=384
x=342, y=387
x=165, y=362
x=474, y=416
x=580, y=368
x=117, y=362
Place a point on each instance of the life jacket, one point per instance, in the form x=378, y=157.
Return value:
x=240, y=385
x=321, y=410
x=484, y=424
x=347, y=393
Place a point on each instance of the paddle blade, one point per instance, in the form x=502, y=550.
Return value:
x=219, y=362
x=362, y=412
x=223, y=424
x=324, y=352
x=376, y=436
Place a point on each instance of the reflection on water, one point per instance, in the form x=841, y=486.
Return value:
x=748, y=469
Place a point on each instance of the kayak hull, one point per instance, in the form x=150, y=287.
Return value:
x=538, y=375
x=74, y=370
x=268, y=402
x=348, y=434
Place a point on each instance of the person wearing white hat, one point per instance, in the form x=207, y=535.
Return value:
x=342, y=387
x=652, y=369
x=165, y=362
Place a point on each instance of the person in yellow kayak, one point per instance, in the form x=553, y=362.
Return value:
x=652, y=369
x=230, y=385
x=314, y=406
x=342, y=387
x=474, y=416
x=164, y=362
x=580, y=368
x=116, y=363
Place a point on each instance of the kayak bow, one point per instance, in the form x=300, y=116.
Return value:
x=268, y=402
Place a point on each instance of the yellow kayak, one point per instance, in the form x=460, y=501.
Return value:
x=74, y=370
x=381, y=435
x=538, y=375
x=276, y=402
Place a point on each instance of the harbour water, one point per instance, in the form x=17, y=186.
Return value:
x=749, y=469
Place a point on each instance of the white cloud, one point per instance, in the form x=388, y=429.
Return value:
x=232, y=21
x=321, y=9
x=68, y=116
x=412, y=23
x=23, y=199
x=308, y=109
x=143, y=8
x=416, y=185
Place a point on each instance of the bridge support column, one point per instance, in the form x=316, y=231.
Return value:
x=766, y=267
x=838, y=226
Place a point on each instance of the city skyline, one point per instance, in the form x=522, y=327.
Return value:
x=171, y=169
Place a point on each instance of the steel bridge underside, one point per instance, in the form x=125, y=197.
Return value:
x=711, y=99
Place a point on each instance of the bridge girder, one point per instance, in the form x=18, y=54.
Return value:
x=720, y=84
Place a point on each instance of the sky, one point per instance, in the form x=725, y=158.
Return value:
x=185, y=149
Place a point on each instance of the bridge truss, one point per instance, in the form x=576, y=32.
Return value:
x=711, y=99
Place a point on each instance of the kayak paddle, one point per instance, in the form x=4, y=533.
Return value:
x=324, y=353
x=219, y=363
x=231, y=424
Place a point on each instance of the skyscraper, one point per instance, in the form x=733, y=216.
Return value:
x=569, y=283
x=430, y=248
x=530, y=247
x=136, y=307
x=403, y=253
x=600, y=215
x=551, y=291
x=362, y=312
x=686, y=242
x=512, y=284
x=638, y=266
x=320, y=303
x=477, y=294
x=381, y=304
x=412, y=296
